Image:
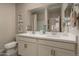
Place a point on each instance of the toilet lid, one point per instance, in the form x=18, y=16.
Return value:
x=10, y=45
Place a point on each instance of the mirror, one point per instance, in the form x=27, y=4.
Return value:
x=54, y=18
x=37, y=19
x=71, y=18
x=66, y=20
x=47, y=18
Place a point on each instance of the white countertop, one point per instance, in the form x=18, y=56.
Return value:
x=70, y=38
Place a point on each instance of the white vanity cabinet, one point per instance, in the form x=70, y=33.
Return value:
x=45, y=51
x=43, y=47
x=52, y=48
x=26, y=47
x=51, y=51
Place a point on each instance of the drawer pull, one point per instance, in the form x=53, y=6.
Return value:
x=25, y=45
x=52, y=52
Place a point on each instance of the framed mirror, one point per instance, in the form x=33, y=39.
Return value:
x=67, y=20
x=54, y=17
x=37, y=19
x=47, y=18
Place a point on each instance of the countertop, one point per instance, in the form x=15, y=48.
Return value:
x=64, y=37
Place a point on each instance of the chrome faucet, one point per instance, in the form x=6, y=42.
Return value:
x=44, y=29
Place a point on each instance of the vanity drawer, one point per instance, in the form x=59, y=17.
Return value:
x=26, y=39
x=62, y=45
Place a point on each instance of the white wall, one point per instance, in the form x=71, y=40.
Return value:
x=7, y=23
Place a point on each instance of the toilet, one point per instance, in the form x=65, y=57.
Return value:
x=2, y=52
x=11, y=48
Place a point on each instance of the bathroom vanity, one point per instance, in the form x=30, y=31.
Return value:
x=46, y=44
x=51, y=21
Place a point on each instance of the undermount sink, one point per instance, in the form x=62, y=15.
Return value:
x=53, y=34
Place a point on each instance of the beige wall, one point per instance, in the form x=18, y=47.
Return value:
x=21, y=9
x=7, y=23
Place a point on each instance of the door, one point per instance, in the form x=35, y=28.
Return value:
x=27, y=49
x=45, y=50
x=51, y=51
x=63, y=52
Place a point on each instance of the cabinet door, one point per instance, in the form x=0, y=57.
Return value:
x=62, y=52
x=45, y=51
x=27, y=49
x=51, y=51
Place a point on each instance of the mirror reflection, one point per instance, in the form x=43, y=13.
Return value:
x=55, y=17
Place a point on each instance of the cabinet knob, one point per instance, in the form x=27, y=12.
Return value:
x=25, y=45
